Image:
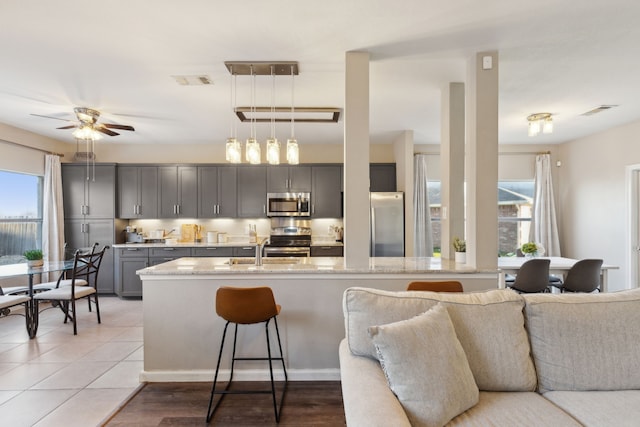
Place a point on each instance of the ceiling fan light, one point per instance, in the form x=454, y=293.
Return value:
x=252, y=151
x=273, y=151
x=293, y=154
x=233, y=151
x=547, y=126
x=86, y=132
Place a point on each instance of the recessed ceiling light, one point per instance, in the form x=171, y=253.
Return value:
x=197, y=80
x=597, y=110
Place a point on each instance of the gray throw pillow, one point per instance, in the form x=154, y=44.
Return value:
x=426, y=367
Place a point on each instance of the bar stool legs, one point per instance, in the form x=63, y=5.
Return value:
x=277, y=408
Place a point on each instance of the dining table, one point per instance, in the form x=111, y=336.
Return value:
x=24, y=269
x=558, y=266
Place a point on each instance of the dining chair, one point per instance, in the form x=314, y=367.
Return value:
x=436, y=286
x=583, y=276
x=533, y=276
x=7, y=302
x=82, y=284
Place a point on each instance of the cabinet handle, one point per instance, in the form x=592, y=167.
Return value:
x=178, y=209
x=132, y=249
x=248, y=248
x=264, y=209
x=211, y=249
x=313, y=209
x=139, y=210
x=169, y=249
x=218, y=209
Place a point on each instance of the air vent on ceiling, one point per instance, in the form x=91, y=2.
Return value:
x=597, y=110
x=199, y=80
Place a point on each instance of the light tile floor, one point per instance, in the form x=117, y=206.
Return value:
x=58, y=379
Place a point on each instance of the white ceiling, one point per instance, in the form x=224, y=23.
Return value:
x=563, y=57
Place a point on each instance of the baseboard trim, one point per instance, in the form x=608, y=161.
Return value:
x=240, y=375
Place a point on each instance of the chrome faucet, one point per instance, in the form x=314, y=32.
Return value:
x=260, y=250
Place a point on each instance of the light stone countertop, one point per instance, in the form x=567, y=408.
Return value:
x=233, y=244
x=314, y=265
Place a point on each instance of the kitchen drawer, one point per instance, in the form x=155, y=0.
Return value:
x=326, y=251
x=170, y=252
x=212, y=251
x=133, y=252
x=244, y=251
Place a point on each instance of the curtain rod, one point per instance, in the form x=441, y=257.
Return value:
x=515, y=153
x=31, y=148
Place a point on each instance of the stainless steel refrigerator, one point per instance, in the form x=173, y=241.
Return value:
x=387, y=224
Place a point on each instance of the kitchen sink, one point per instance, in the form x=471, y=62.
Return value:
x=265, y=261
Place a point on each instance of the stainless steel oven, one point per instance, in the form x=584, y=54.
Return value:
x=290, y=237
x=288, y=204
x=287, y=251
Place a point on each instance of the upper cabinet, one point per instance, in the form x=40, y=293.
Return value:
x=178, y=190
x=138, y=192
x=89, y=191
x=382, y=177
x=217, y=192
x=326, y=192
x=288, y=179
x=252, y=192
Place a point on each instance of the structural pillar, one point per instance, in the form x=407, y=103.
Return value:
x=356, y=160
x=403, y=154
x=481, y=168
x=452, y=167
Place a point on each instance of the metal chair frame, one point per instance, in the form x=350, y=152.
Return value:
x=277, y=408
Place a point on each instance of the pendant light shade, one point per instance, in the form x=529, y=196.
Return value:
x=253, y=151
x=234, y=151
x=293, y=155
x=273, y=145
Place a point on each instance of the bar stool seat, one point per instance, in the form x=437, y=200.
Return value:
x=246, y=306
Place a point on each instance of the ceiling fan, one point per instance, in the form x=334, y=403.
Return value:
x=87, y=124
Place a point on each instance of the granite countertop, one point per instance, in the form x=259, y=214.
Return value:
x=324, y=265
x=231, y=244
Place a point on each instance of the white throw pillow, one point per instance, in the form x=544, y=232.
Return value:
x=426, y=367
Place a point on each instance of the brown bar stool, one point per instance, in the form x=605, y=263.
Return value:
x=441, y=286
x=247, y=306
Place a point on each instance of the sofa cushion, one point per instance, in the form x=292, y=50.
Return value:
x=489, y=325
x=513, y=409
x=584, y=342
x=426, y=367
x=600, y=408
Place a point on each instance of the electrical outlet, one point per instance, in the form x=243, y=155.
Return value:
x=487, y=62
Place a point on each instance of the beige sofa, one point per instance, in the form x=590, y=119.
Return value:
x=534, y=360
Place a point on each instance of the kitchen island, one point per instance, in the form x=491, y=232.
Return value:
x=182, y=331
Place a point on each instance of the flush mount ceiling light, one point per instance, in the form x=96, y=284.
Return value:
x=540, y=122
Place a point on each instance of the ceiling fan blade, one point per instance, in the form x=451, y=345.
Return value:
x=105, y=130
x=51, y=117
x=67, y=127
x=115, y=126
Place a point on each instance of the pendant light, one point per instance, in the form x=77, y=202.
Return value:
x=273, y=145
x=234, y=147
x=252, y=145
x=293, y=157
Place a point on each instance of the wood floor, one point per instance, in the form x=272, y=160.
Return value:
x=317, y=403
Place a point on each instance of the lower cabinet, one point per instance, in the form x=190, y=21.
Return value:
x=131, y=259
x=327, y=251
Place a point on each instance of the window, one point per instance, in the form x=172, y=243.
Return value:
x=515, y=208
x=20, y=215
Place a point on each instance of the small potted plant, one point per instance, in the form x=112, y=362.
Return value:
x=460, y=247
x=532, y=249
x=34, y=257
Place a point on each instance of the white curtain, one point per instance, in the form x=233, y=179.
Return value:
x=423, y=246
x=544, y=229
x=52, y=211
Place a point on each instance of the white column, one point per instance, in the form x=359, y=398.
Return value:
x=403, y=154
x=452, y=166
x=356, y=160
x=482, y=160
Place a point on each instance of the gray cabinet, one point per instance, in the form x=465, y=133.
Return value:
x=212, y=251
x=327, y=251
x=382, y=177
x=178, y=191
x=137, y=192
x=326, y=193
x=217, y=192
x=245, y=251
x=81, y=233
x=252, y=192
x=89, y=191
x=128, y=261
x=284, y=179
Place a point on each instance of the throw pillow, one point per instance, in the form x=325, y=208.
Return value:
x=426, y=367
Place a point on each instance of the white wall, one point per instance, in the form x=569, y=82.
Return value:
x=25, y=160
x=592, y=197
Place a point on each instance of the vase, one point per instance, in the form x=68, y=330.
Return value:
x=35, y=262
x=461, y=257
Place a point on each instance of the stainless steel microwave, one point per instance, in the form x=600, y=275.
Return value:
x=288, y=204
